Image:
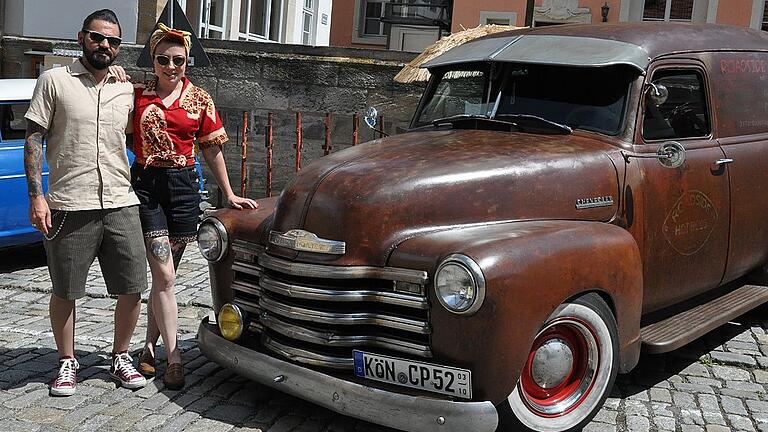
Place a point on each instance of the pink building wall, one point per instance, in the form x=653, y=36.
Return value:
x=466, y=14
x=734, y=12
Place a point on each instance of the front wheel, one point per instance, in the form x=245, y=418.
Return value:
x=569, y=372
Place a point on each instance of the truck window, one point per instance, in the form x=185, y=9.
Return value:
x=587, y=98
x=684, y=114
x=459, y=92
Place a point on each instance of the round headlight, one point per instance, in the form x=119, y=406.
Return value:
x=231, y=321
x=460, y=284
x=212, y=239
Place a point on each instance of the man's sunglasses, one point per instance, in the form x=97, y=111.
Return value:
x=97, y=37
x=164, y=60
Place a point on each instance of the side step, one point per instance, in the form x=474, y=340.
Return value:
x=672, y=333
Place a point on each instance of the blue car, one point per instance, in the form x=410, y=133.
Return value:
x=15, y=229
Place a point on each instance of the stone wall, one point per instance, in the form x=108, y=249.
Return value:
x=260, y=78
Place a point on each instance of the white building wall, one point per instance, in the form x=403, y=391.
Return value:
x=57, y=19
x=294, y=10
x=323, y=31
x=293, y=21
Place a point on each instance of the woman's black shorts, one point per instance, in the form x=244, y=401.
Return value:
x=170, y=201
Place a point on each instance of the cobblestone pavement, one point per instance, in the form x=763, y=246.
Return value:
x=715, y=384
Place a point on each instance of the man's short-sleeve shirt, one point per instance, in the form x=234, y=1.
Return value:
x=165, y=136
x=85, y=142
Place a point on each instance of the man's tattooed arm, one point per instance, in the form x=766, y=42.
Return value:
x=33, y=158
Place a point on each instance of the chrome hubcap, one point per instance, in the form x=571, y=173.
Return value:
x=552, y=363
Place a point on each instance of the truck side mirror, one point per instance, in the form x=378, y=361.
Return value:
x=371, y=117
x=657, y=93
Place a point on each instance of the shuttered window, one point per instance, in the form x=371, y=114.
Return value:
x=765, y=16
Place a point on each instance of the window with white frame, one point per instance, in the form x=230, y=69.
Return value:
x=765, y=17
x=254, y=19
x=308, y=22
x=212, y=17
x=498, y=18
x=668, y=10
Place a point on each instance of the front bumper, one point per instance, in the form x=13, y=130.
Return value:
x=407, y=413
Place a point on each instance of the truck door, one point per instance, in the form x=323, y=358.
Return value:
x=686, y=210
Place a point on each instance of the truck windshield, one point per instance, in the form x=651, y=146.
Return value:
x=588, y=98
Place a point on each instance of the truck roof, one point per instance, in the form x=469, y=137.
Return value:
x=633, y=44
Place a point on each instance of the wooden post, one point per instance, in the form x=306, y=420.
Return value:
x=298, y=141
x=269, y=142
x=327, y=145
x=244, y=156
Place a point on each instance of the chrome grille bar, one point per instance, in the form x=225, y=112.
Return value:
x=247, y=268
x=307, y=357
x=330, y=338
x=343, y=318
x=291, y=290
x=334, y=272
x=246, y=287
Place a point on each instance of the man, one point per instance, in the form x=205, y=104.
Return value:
x=90, y=211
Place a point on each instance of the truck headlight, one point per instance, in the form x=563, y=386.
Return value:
x=212, y=239
x=460, y=284
x=231, y=321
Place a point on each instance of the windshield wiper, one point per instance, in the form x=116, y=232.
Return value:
x=459, y=117
x=476, y=120
x=541, y=121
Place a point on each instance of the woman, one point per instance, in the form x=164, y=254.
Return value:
x=170, y=115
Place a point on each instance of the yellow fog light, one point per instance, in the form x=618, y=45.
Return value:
x=231, y=322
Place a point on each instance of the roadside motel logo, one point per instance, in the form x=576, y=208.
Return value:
x=690, y=223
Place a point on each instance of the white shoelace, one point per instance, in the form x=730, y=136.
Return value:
x=124, y=364
x=67, y=371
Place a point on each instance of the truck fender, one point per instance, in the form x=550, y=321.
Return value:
x=250, y=224
x=530, y=268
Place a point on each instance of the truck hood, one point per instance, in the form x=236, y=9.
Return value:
x=374, y=196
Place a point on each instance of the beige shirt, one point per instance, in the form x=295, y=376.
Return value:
x=86, y=123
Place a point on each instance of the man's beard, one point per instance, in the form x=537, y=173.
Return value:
x=97, y=60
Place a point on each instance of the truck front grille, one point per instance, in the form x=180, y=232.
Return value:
x=317, y=314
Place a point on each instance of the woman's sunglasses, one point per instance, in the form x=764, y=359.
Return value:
x=97, y=37
x=164, y=60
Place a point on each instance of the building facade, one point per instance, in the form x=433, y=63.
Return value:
x=377, y=23
x=304, y=22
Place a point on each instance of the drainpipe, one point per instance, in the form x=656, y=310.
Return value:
x=529, y=13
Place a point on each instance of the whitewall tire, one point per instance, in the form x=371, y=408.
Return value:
x=570, y=369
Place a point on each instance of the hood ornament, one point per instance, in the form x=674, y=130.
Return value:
x=300, y=240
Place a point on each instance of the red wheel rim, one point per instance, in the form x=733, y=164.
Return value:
x=573, y=389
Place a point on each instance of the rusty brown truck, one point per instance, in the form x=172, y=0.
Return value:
x=564, y=198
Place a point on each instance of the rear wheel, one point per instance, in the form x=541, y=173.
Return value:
x=569, y=372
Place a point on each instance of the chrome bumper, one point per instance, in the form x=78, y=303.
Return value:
x=407, y=413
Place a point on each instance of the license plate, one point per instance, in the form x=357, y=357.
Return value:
x=407, y=373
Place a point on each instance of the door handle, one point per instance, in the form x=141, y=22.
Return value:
x=723, y=161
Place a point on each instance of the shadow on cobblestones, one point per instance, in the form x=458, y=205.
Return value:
x=653, y=370
x=19, y=258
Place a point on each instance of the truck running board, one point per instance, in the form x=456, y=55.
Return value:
x=679, y=329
